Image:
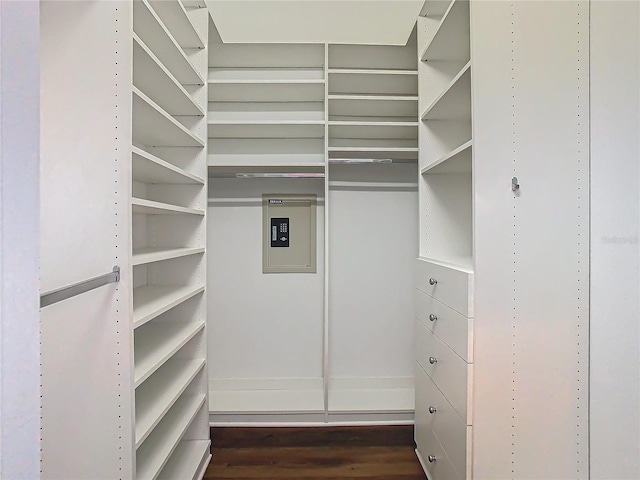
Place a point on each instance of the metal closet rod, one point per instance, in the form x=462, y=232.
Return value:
x=279, y=175
x=355, y=161
x=79, y=288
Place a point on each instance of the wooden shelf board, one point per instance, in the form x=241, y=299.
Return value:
x=267, y=130
x=158, y=394
x=150, y=28
x=155, y=452
x=148, y=168
x=149, y=207
x=456, y=161
x=175, y=17
x=143, y=256
x=452, y=14
x=266, y=401
x=373, y=153
x=153, y=300
x=157, y=82
x=459, y=81
x=154, y=127
x=188, y=459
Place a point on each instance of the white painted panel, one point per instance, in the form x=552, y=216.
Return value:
x=532, y=247
x=85, y=153
x=615, y=306
x=19, y=230
x=260, y=325
x=373, y=241
x=315, y=21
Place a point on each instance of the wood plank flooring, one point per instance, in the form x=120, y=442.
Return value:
x=338, y=453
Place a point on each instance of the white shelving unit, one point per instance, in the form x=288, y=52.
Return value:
x=334, y=111
x=168, y=156
x=266, y=105
x=487, y=351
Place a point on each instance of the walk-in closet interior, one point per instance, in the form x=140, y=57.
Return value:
x=433, y=222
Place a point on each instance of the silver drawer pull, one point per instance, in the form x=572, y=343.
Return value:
x=431, y=458
x=433, y=360
x=432, y=410
x=433, y=281
x=433, y=317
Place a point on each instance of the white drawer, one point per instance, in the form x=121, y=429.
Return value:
x=428, y=447
x=452, y=286
x=450, y=326
x=434, y=412
x=449, y=372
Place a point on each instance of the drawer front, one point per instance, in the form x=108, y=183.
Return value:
x=437, y=414
x=450, y=326
x=451, y=286
x=441, y=467
x=448, y=371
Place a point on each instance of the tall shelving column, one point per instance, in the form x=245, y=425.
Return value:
x=444, y=274
x=372, y=98
x=168, y=204
x=266, y=124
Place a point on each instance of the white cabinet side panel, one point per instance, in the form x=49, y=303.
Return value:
x=615, y=280
x=86, y=340
x=532, y=274
x=19, y=225
x=373, y=249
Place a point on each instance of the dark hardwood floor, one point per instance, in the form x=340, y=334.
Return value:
x=339, y=453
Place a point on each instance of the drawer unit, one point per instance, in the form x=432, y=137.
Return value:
x=448, y=371
x=433, y=457
x=436, y=413
x=452, y=286
x=450, y=326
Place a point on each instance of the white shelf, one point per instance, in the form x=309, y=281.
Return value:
x=373, y=97
x=158, y=394
x=461, y=263
x=456, y=161
x=157, y=342
x=155, y=452
x=188, y=461
x=371, y=400
x=158, y=83
x=154, y=127
x=153, y=300
x=194, y=3
x=266, y=75
x=267, y=129
x=266, y=401
x=374, y=130
x=381, y=123
x=264, y=160
x=259, y=91
x=250, y=81
x=399, y=153
x=149, y=207
x=150, y=28
x=450, y=40
x=143, y=256
x=363, y=71
x=454, y=102
x=255, y=117
x=174, y=14
x=148, y=168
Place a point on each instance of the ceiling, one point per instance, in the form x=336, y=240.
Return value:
x=387, y=22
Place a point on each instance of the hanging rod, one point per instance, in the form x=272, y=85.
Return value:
x=356, y=161
x=65, y=293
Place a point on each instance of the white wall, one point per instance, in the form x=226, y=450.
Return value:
x=615, y=229
x=385, y=22
x=19, y=226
